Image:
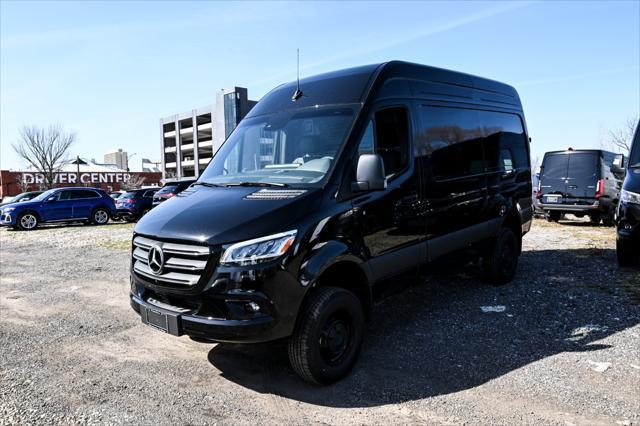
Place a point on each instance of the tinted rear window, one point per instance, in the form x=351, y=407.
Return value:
x=555, y=166
x=128, y=195
x=583, y=164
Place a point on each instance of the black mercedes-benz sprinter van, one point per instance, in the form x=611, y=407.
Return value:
x=628, y=236
x=321, y=195
x=581, y=182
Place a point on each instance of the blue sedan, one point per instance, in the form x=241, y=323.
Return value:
x=89, y=205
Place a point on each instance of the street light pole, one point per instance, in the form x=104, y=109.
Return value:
x=78, y=165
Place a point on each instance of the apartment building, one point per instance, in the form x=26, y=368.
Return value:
x=117, y=157
x=189, y=140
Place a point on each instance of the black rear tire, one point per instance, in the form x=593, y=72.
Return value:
x=328, y=336
x=595, y=219
x=501, y=262
x=553, y=216
x=627, y=254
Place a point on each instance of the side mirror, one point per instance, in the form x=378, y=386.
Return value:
x=618, y=164
x=370, y=174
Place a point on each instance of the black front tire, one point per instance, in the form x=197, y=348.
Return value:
x=626, y=253
x=501, y=262
x=27, y=221
x=328, y=336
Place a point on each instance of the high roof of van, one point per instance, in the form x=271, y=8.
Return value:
x=404, y=79
x=569, y=151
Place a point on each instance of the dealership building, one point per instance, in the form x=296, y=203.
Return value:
x=189, y=140
x=76, y=173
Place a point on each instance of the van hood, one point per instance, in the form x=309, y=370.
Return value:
x=226, y=215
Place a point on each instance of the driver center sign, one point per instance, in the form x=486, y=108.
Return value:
x=70, y=177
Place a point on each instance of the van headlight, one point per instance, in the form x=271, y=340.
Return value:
x=629, y=197
x=258, y=250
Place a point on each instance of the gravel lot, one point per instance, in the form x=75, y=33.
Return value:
x=565, y=350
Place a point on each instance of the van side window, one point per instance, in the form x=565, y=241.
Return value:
x=367, y=143
x=392, y=139
x=389, y=138
x=452, y=138
x=503, y=131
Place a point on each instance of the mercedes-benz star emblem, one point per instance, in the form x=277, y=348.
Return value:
x=155, y=258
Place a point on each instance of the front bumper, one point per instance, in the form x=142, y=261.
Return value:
x=250, y=304
x=7, y=219
x=222, y=330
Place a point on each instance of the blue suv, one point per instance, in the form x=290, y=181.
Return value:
x=89, y=205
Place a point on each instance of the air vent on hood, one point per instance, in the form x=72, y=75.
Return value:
x=275, y=194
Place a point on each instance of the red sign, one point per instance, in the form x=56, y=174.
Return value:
x=13, y=183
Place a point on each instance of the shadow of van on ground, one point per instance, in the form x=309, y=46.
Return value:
x=433, y=339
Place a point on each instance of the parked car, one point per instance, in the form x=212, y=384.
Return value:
x=90, y=205
x=321, y=195
x=580, y=182
x=116, y=194
x=171, y=189
x=628, y=224
x=134, y=204
x=21, y=198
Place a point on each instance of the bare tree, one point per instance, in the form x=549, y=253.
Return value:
x=134, y=182
x=46, y=150
x=620, y=139
x=22, y=184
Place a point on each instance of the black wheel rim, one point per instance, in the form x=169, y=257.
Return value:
x=335, y=338
x=508, y=257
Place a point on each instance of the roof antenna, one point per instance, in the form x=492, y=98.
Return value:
x=298, y=93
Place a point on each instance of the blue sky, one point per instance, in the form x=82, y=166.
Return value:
x=110, y=70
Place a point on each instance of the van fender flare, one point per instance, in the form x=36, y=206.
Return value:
x=325, y=255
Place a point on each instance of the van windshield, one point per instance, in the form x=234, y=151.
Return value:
x=634, y=155
x=288, y=147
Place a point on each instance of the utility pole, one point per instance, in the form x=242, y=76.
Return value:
x=78, y=165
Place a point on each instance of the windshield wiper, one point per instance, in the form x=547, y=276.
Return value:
x=207, y=184
x=280, y=185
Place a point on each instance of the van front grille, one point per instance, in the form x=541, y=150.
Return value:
x=174, y=264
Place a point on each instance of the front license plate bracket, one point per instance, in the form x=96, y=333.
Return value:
x=161, y=320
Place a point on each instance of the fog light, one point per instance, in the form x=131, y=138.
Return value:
x=252, y=307
x=627, y=226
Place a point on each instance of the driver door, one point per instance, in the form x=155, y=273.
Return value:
x=392, y=228
x=59, y=206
